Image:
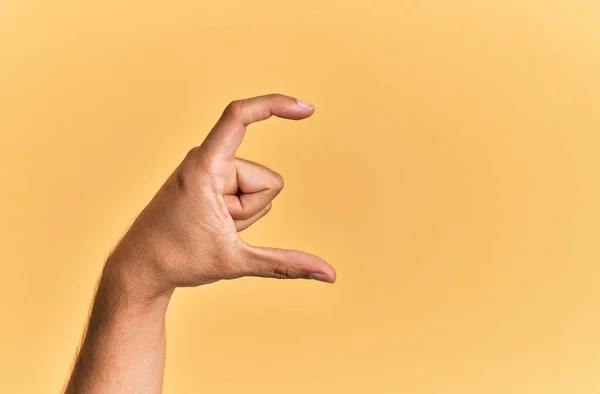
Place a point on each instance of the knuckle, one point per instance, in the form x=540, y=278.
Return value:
x=233, y=109
x=183, y=178
x=280, y=271
x=277, y=181
x=191, y=153
x=275, y=96
x=283, y=271
x=187, y=171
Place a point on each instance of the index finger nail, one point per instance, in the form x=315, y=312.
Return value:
x=305, y=105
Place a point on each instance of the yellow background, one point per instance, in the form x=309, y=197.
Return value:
x=450, y=174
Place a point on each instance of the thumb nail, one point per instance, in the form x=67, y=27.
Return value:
x=320, y=277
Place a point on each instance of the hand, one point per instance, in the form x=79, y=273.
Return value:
x=188, y=234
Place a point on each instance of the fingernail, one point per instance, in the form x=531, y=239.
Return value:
x=320, y=277
x=305, y=105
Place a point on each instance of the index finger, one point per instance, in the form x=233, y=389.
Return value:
x=227, y=135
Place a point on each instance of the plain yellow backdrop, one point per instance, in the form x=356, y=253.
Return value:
x=450, y=174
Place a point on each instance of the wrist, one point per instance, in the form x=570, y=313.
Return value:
x=128, y=286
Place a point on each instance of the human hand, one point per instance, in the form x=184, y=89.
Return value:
x=188, y=233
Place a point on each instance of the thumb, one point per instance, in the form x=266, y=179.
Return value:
x=286, y=264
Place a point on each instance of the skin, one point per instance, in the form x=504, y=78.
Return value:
x=186, y=236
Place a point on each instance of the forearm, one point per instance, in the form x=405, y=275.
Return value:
x=124, y=346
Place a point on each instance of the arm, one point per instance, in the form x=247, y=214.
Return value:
x=124, y=347
x=186, y=236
